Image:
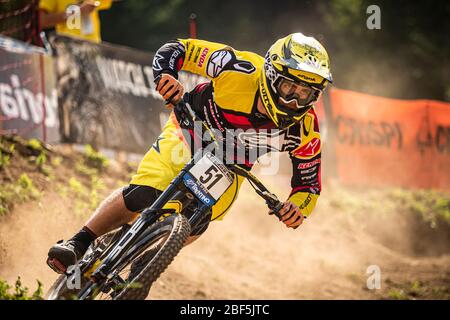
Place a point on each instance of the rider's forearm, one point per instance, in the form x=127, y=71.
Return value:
x=193, y=55
x=305, y=201
x=306, y=182
x=169, y=59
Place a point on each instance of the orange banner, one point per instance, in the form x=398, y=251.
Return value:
x=388, y=142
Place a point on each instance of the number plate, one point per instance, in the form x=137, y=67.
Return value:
x=208, y=179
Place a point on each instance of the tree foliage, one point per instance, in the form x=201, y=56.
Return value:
x=407, y=58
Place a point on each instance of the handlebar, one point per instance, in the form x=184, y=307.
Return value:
x=271, y=199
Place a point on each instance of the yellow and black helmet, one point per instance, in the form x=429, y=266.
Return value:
x=296, y=71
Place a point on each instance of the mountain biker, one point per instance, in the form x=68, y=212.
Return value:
x=272, y=96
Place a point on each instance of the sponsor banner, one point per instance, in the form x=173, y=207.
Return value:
x=107, y=96
x=382, y=142
x=28, y=96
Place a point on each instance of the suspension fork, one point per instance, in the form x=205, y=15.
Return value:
x=149, y=216
x=198, y=214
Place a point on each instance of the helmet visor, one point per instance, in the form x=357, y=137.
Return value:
x=296, y=95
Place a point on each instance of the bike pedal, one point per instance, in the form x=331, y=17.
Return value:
x=56, y=265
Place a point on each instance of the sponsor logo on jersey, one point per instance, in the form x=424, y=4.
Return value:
x=157, y=62
x=191, y=51
x=306, y=171
x=306, y=202
x=308, y=150
x=173, y=58
x=217, y=62
x=310, y=177
x=308, y=164
x=197, y=53
x=203, y=57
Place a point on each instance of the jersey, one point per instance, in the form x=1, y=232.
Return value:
x=229, y=102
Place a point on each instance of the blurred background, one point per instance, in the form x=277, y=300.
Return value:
x=407, y=58
x=78, y=109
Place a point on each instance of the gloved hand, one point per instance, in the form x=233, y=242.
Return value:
x=291, y=215
x=170, y=89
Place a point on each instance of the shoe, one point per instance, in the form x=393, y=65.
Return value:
x=64, y=254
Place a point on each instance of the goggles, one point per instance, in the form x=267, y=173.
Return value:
x=296, y=95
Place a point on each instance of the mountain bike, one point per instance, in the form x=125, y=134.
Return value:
x=123, y=264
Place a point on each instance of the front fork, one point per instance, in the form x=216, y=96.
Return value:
x=147, y=218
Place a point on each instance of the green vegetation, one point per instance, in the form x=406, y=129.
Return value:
x=35, y=144
x=5, y=155
x=20, y=191
x=94, y=158
x=417, y=290
x=84, y=187
x=4, y=160
x=431, y=205
x=86, y=198
x=83, y=169
x=56, y=161
x=397, y=294
x=20, y=292
x=39, y=156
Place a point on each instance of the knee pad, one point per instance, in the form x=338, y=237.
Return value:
x=137, y=197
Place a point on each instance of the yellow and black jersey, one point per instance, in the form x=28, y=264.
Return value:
x=229, y=102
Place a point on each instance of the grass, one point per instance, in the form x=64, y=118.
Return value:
x=5, y=155
x=56, y=161
x=431, y=205
x=40, y=157
x=85, y=170
x=94, y=158
x=35, y=144
x=4, y=160
x=416, y=289
x=396, y=294
x=85, y=198
x=20, y=191
x=19, y=292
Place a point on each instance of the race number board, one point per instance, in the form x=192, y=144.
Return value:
x=208, y=179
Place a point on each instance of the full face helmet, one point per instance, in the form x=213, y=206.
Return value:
x=296, y=71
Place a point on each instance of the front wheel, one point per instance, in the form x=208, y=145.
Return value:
x=163, y=248
x=133, y=277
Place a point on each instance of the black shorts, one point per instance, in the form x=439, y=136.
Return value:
x=138, y=197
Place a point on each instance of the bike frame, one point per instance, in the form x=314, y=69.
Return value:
x=126, y=245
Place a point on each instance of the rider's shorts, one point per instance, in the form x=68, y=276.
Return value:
x=167, y=157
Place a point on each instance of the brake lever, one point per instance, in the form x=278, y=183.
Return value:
x=272, y=202
x=275, y=209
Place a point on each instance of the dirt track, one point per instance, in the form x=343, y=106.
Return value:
x=250, y=255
